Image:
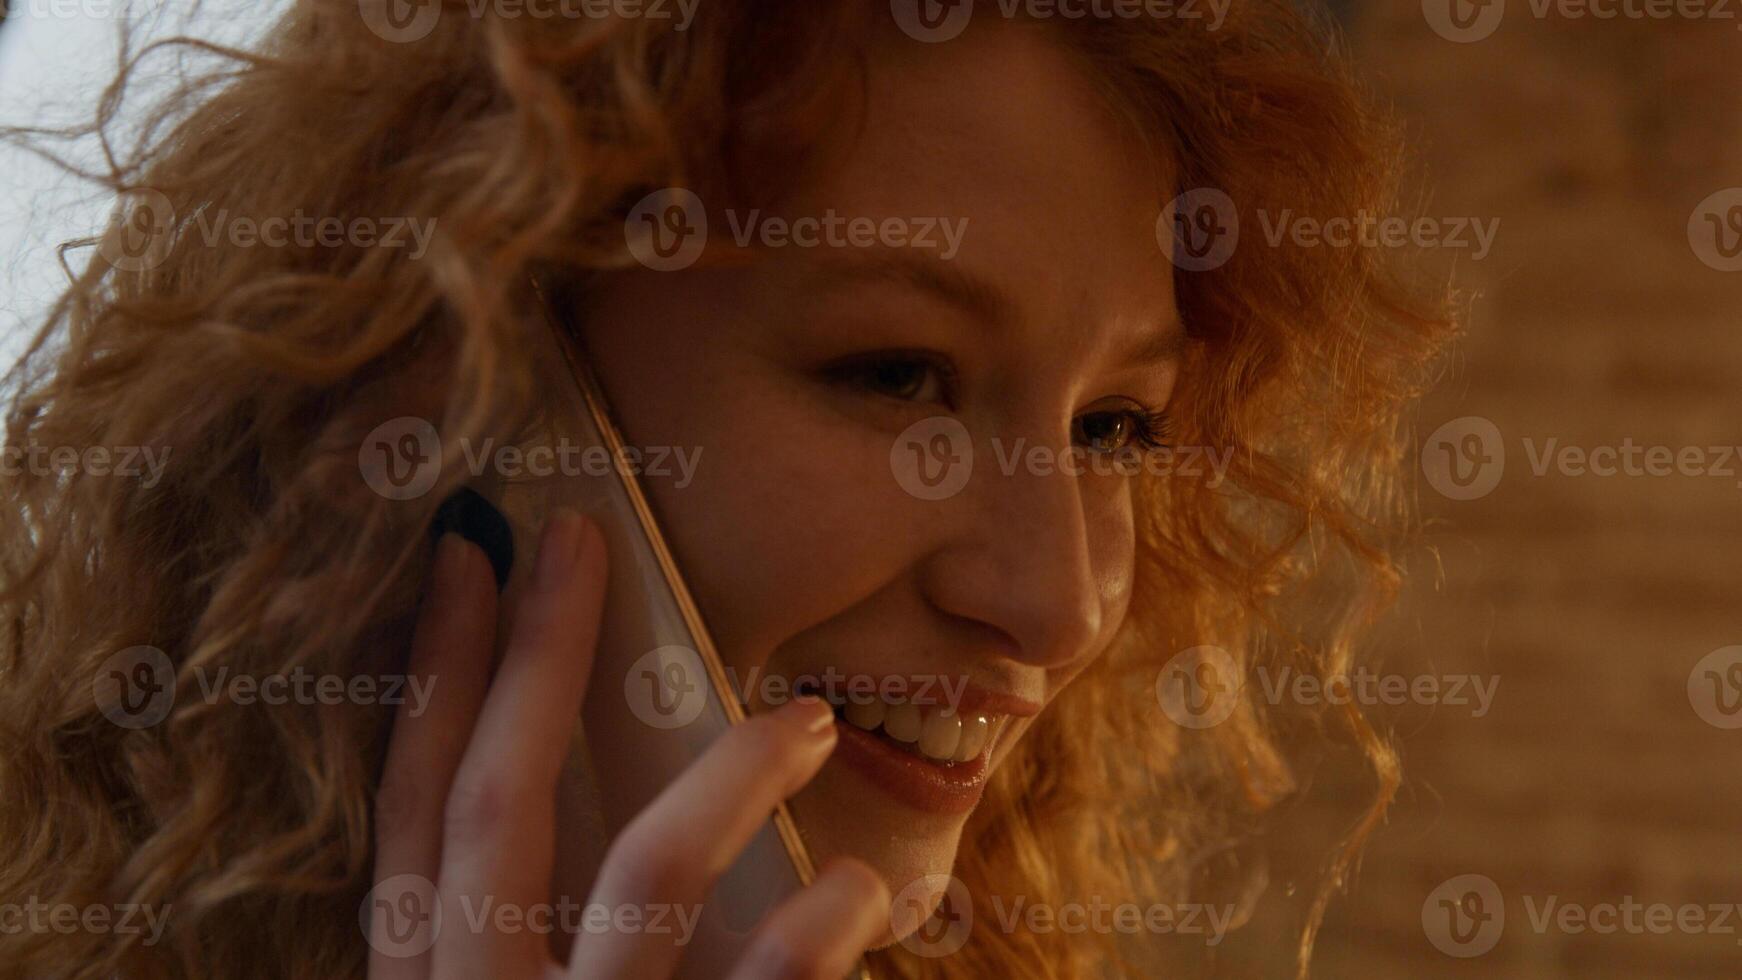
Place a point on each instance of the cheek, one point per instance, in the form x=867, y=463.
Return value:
x=1110, y=526
x=786, y=523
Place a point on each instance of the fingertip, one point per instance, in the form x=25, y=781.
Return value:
x=860, y=880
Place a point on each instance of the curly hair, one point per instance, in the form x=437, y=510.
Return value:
x=259, y=372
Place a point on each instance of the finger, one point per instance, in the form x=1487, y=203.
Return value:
x=451, y=649
x=500, y=829
x=823, y=930
x=672, y=852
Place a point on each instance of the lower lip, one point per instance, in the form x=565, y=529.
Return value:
x=917, y=782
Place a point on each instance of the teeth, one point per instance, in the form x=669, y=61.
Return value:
x=865, y=714
x=902, y=722
x=975, y=731
x=941, y=734
x=935, y=732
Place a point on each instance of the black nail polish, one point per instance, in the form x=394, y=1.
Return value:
x=469, y=515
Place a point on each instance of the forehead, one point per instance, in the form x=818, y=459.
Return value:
x=1005, y=129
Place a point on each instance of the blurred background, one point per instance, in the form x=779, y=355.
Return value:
x=1604, y=780
x=1595, y=604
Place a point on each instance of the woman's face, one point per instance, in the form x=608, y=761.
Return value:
x=811, y=547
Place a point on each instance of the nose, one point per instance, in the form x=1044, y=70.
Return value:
x=1020, y=562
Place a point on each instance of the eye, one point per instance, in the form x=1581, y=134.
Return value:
x=1110, y=431
x=909, y=376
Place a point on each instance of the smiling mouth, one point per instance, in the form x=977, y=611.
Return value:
x=932, y=757
x=934, y=732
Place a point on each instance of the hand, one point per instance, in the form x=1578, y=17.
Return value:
x=468, y=797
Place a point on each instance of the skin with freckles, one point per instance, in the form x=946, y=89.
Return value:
x=795, y=374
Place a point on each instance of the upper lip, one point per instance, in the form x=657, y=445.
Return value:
x=985, y=701
x=965, y=696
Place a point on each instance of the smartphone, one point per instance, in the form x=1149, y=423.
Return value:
x=659, y=693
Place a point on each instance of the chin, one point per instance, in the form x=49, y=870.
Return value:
x=881, y=802
x=844, y=812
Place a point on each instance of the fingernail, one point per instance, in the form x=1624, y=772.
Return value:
x=811, y=713
x=559, y=549
x=450, y=565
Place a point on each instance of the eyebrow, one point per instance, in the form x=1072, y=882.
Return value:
x=978, y=298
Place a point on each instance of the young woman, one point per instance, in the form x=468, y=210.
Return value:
x=1054, y=317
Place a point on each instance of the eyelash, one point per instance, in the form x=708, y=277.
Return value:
x=1149, y=428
